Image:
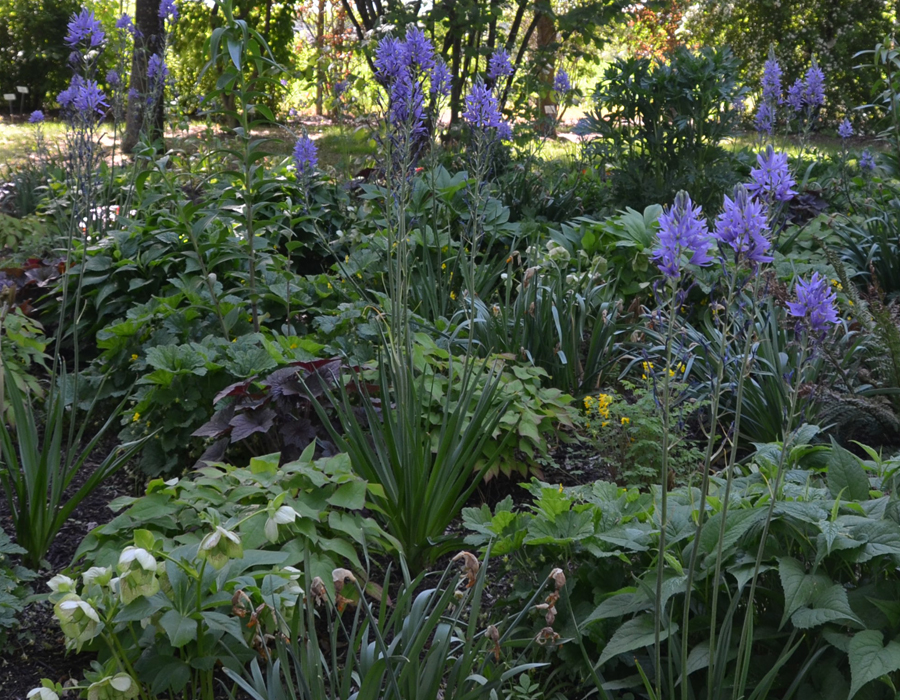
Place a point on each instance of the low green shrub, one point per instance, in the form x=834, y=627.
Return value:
x=14, y=588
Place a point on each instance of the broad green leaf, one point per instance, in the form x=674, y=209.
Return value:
x=179, y=628
x=351, y=495
x=637, y=633
x=829, y=605
x=800, y=588
x=870, y=659
x=846, y=477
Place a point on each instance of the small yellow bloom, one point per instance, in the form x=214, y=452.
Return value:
x=445, y=249
x=134, y=358
x=604, y=424
x=346, y=258
x=850, y=302
x=625, y=420
x=453, y=296
x=443, y=266
x=137, y=417
x=293, y=346
x=560, y=488
x=359, y=274
x=329, y=285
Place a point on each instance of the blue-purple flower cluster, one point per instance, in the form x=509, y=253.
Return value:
x=771, y=180
x=84, y=28
x=741, y=229
x=804, y=94
x=483, y=104
x=867, y=162
x=562, y=86
x=742, y=226
x=403, y=66
x=306, y=157
x=845, y=130
x=815, y=305
x=682, y=232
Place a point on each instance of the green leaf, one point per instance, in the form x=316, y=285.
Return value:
x=180, y=629
x=267, y=464
x=637, y=633
x=351, y=495
x=846, y=477
x=829, y=605
x=870, y=659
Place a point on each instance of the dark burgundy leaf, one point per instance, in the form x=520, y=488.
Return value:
x=214, y=453
x=284, y=382
x=216, y=426
x=298, y=433
x=246, y=424
x=236, y=389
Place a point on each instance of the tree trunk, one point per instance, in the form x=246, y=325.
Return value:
x=320, y=57
x=546, y=56
x=147, y=41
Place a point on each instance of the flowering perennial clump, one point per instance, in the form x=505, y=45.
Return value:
x=815, y=305
x=682, y=231
x=772, y=179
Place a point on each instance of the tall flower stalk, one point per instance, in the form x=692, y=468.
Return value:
x=683, y=237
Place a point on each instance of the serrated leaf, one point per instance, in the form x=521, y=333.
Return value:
x=871, y=659
x=829, y=605
x=846, y=477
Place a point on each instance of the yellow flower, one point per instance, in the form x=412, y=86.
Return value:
x=329, y=285
x=346, y=258
x=453, y=296
x=136, y=418
x=445, y=249
x=850, y=302
x=604, y=424
x=134, y=358
x=293, y=346
x=443, y=266
x=560, y=488
x=625, y=420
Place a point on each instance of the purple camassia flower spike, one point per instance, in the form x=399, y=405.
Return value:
x=306, y=157
x=390, y=59
x=771, y=79
x=772, y=180
x=795, y=95
x=765, y=118
x=742, y=226
x=157, y=68
x=814, y=86
x=89, y=98
x=499, y=65
x=84, y=27
x=867, y=162
x=482, y=111
x=682, y=230
x=37, y=116
x=112, y=77
x=168, y=8
x=440, y=79
x=418, y=51
x=561, y=83
x=125, y=22
x=407, y=102
x=815, y=305
x=845, y=130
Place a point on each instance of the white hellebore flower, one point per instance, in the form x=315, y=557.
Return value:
x=101, y=575
x=61, y=584
x=42, y=694
x=138, y=574
x=281, y=516
x=219, y=546
x=78, y=619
